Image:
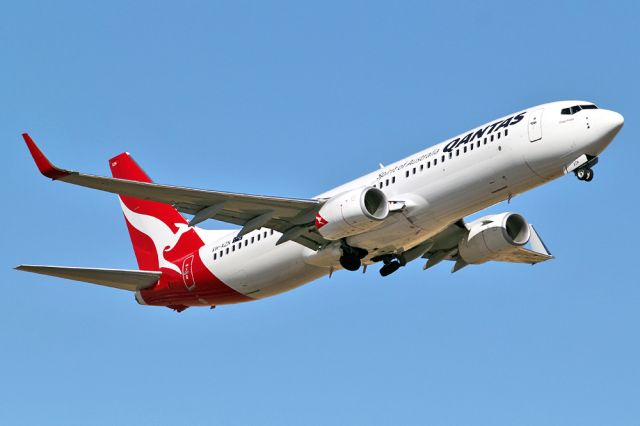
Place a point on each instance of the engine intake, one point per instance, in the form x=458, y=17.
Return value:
x=493, y=235
x=352, y=212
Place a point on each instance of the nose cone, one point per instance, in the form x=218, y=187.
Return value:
x=606, y=125
x=613, y=122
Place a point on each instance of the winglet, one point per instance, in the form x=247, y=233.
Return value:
x=43, y=163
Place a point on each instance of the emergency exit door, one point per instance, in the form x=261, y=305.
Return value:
x=535, y=125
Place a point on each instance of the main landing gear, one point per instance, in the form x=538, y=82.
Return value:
x=391, y=263
x=390, y=268
x=585, y=174
x=351, y=258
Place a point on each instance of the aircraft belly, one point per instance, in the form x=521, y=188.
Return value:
x=264, y=272
x=468, y=190
x=399, y=233
x=461, y=192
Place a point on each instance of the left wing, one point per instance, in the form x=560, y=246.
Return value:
x=293, y=217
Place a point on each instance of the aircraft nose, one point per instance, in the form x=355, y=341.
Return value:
x=614, y=121
x=606, y=126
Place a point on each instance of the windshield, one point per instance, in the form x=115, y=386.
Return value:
x=577, y=108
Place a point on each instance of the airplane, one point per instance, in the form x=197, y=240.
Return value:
x=411, y=209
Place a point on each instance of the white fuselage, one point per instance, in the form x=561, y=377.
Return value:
x=437, y=187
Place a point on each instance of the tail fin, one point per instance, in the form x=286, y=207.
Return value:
x=160, y=235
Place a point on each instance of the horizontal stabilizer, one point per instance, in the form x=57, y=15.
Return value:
x=123, y=279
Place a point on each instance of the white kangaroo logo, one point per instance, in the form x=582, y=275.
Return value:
x=162, y=236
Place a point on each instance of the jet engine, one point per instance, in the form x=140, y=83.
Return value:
x=493, y=235
x=352, y=212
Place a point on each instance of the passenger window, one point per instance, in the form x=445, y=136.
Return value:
x=491, y=138
x=221, y=253
x=258, y=236
x=457, y=152
x=421, y=167
x=227, y=250
x=464, y=149
x=414, y=170
x=443, y=158
x=246, y=243
x=435, y=161
x=393, y=179
x=407, y=174
x=380, y=184
x=265, y=234
x=485, y=140
x=428, y=164
x=252, y=239
x=498, y=135
x=478, y=144
x=450, y=155
x=215, y=256
x=506, y=132
x=386, y=182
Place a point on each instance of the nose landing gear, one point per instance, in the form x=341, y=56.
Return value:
x=583, y=167
x=585, y=174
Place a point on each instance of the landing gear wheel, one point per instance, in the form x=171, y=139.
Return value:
x=350, y=263
x=589, y=176
x=389, y=268
x=581, y=174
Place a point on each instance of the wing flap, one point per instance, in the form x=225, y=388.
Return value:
x=536, y=254
x=523, y=255
x=123, y=279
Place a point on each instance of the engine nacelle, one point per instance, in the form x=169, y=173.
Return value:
x=352, y=212
x=493, y=235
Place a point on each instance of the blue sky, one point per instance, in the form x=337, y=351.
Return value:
x=290, y=99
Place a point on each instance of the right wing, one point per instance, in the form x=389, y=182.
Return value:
x=444, y=246
x=293, y=217
x=123, y=279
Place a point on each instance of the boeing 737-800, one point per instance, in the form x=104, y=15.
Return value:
x=413, y=208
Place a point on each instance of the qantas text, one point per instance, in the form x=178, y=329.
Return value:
x=510, y=121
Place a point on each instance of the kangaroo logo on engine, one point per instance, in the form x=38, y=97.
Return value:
x=320, y=221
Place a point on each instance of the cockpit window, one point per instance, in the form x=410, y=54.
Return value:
x=576, y=108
